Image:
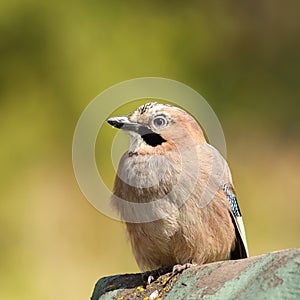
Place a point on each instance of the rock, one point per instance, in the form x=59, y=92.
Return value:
x=273, y=275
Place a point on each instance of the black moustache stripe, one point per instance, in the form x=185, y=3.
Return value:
x=151, y=138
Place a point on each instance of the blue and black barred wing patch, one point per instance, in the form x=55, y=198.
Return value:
x=232, y=200
x=240, y=250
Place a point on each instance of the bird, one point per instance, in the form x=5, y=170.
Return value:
x=174, y=191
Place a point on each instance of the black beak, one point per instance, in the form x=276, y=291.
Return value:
x=125, y=124
x=117, y=122
x=150, y=137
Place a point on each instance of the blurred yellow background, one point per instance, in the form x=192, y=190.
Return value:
x=243, y=57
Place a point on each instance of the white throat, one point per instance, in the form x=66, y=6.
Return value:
x=136, y=141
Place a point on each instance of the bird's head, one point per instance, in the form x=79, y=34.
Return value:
x=155, y=128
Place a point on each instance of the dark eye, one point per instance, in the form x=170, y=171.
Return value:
x=160, y=122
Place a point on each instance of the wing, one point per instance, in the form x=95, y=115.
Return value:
x=219, y=174
x=241, y=248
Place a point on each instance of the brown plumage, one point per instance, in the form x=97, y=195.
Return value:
x=169, y=191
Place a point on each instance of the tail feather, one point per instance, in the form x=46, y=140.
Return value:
x=240, y=249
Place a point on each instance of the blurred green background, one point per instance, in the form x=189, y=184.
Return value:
x=55, y=57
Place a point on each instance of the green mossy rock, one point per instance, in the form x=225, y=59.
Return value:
x=274, y=275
